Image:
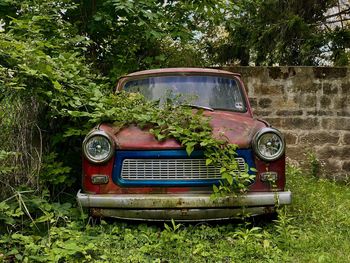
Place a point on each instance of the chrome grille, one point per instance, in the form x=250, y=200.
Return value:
x=171, y=169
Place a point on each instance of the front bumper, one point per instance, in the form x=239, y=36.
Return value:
x=182, y=207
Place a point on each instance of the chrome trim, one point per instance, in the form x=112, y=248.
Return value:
x=99, y=179
x=179, y=201
x=98, y=133
x=182, y=207
x=257, y=137
x=172, y=169
x=268, y=176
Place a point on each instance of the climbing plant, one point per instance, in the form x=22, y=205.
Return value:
x=189, y=127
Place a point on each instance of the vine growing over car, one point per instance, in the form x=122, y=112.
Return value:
x=188, y=126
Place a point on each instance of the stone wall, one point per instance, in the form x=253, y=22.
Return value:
x=311, y=105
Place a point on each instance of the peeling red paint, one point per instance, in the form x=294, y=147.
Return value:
x=277, y=166
x=90, y=169
x=237, y=128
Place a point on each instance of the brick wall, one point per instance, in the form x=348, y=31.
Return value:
x=311, y=105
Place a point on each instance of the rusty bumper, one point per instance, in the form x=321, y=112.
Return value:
x=184, y=207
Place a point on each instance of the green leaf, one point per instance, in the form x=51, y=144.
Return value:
x=190, y=147
x=228, y=177
x=160, y=137
x=208, y=162
x=57, y=85
x=222, y=170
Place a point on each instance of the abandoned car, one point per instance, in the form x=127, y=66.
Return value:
x=130, y=175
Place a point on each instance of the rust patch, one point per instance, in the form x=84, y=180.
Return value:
x=184, y=212
x=96, y=212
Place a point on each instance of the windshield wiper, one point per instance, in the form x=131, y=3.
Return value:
x=199, y=107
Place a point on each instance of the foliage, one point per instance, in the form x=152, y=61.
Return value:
x=171, y=120
x=133, y=35
x=51, y=57
x=42, y=58
x=42, y=72
x=282, y=33
x=5, y=169
x=315, y=165
x=319, y=216
x=53, y=53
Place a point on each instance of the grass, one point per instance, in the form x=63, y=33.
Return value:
x=315, y=228
x=321, y=213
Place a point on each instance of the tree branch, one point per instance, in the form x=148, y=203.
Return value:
x=346, y=11
x=337, y=21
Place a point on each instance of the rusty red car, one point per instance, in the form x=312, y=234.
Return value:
x=130, y=175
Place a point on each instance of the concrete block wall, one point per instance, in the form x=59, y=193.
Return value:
x=311, y=105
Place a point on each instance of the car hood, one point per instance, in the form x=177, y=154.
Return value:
x=236, y=128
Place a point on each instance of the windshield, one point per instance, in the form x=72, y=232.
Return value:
x=206, y=91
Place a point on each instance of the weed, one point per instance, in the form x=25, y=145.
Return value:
x=315, y=164
x=173, y=228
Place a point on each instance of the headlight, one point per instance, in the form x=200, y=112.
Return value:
x=269, y=144
x=98, y=147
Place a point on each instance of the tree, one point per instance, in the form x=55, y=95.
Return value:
x=133, y=35
x=43, y=75
x=281, y=32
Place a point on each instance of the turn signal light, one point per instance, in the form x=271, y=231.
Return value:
x=99, y=179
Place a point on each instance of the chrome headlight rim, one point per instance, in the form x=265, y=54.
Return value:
x=257, y=137
x=94, y=134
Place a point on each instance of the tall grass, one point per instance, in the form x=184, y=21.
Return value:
x=321, y=211
x=315, y=228
x=21, y=139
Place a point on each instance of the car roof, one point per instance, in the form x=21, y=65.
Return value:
x=179, y=71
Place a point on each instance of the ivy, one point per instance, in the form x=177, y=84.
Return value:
x=188, y=126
